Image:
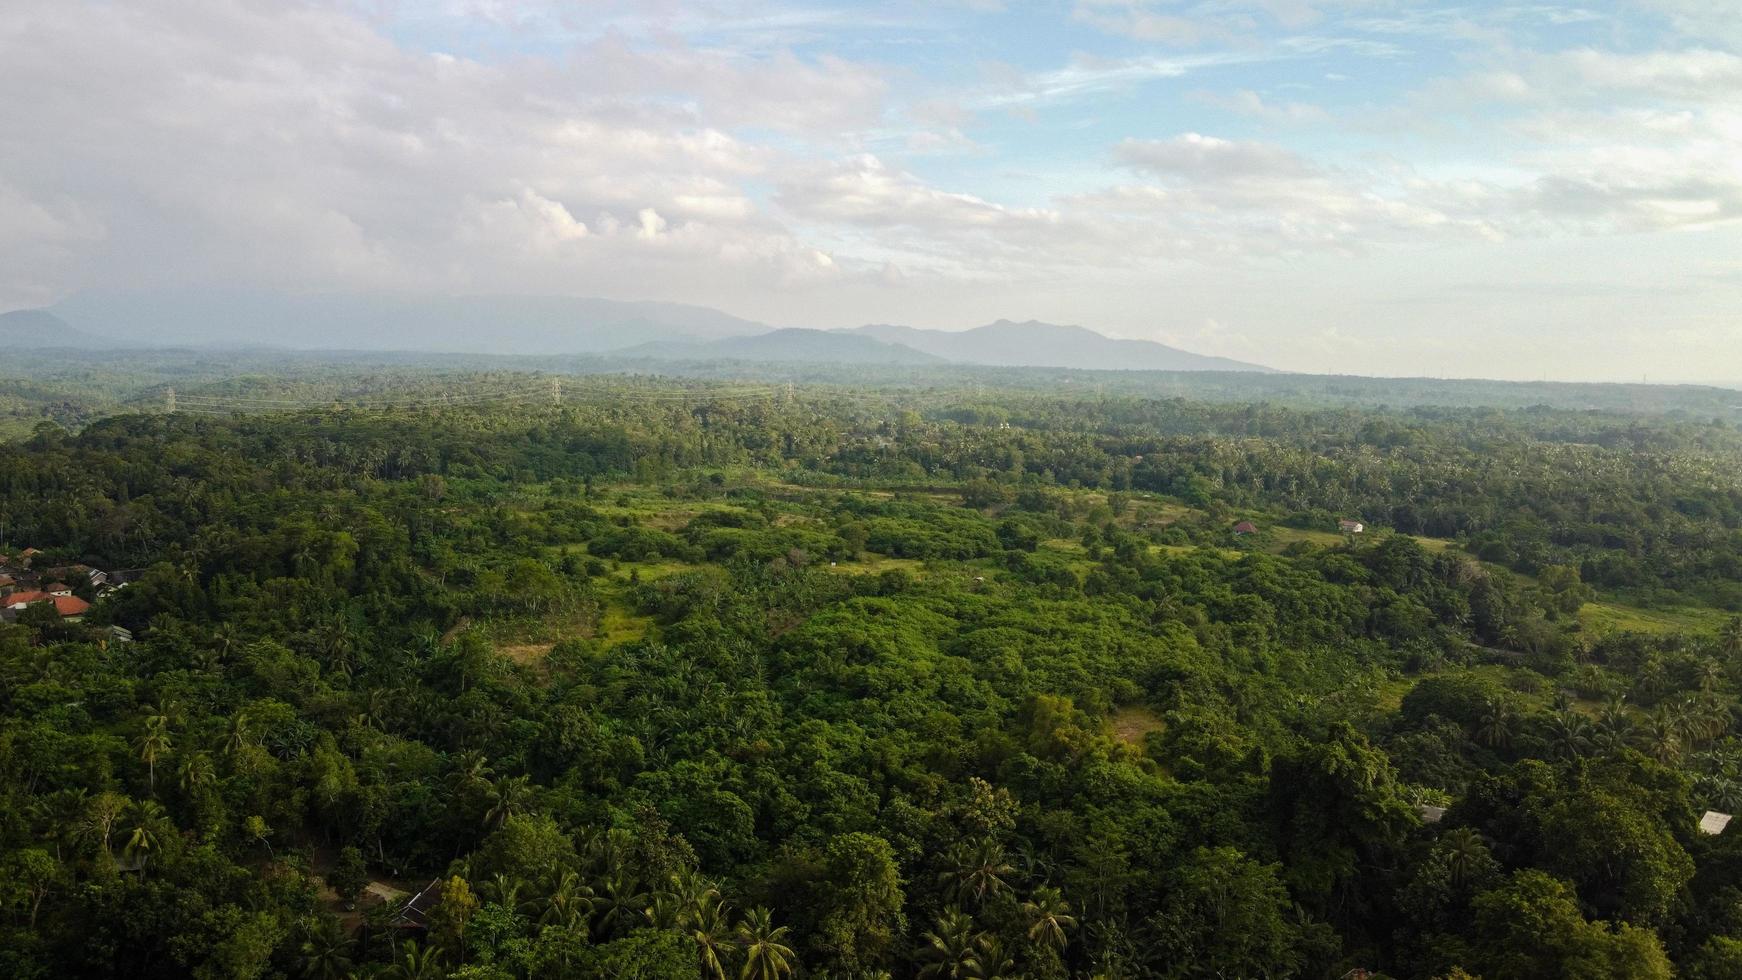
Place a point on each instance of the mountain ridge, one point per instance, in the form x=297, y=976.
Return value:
x=787, y=344
x=1032, y=343
x=42, y=329
x=543, y=325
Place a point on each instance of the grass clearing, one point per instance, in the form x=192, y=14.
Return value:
x=877, y=564
x=1615, y=617
x=1134, y=721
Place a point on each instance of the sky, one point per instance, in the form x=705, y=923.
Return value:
x=1530, y=190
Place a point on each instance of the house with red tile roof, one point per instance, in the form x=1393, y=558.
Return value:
x=67, y=606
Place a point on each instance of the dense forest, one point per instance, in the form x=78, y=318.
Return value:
x=645, y=678
x=73, y=387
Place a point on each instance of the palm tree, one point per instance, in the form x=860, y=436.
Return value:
x=239, y=734
x=512, y=795
x=994, y=962
x=1464, y=851
x=1569, y=735
x=1652, y=679
x=711, y=932
x=326, y=952
x=1494, y=726
x=625, y=905
x=196, y=771
x=1711, y=674
x=1614, y=726
x=152, y=745
x=766, y=957
x=1705, y=718
x=949, y=946
x=975, y=871
x=415, y=963
x=471, y=770
x=1048, y=917
x=569, y=904
x=1730, y=638
x=1661, y=737
x=1720, y=792
x=148, y=821
x=503, y=890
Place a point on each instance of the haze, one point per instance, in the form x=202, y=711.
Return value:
x=1497, y=190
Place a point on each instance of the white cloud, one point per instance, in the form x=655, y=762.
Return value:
x=294, y=145
x=1195, y=157
x=1245, y=102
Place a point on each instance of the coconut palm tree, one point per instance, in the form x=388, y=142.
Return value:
x=153, y=744
x=569, y=904
x=622, y=902
x=512, y=795
x=1711, y=675
x=949, y=949
x=711, y=931
x=766, y=956
x=1730, y=638
x=239, y=734
x=147, y=825
x=503, y=890
x=1660, y=737
x=1048, y=918
x=415, y=962
x=975, y=871
x=196, y=771
x=471, y=771
x=1569, y=735
x=995, y=963
x=1494, y=726
x=1614, y=726
x=1465, y=851
x=326, y=952
x=1720, y=792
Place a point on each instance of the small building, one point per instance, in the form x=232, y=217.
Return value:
x=58, y=588
x=1431, y=814
x=1713, y=823
x=414, y=914
x=1245, y=527
x=68, y=607
x=95, y=576
x=1350, y=527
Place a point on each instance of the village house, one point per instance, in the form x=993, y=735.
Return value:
x=96, y=576
x=1245, y=527
x=21, y=587
x=1350, y=527
x=69, y=607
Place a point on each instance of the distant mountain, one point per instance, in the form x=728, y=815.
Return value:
x=554, y=325
x=466, y=324
x=792, y=344
x=41, y=329
x=1036, y=344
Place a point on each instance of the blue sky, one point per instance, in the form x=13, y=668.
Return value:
x=1376, y=186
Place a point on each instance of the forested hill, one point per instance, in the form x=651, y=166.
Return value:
x=678, y=680
x=72, y=387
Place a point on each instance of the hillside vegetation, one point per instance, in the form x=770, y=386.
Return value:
x=677, y=679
